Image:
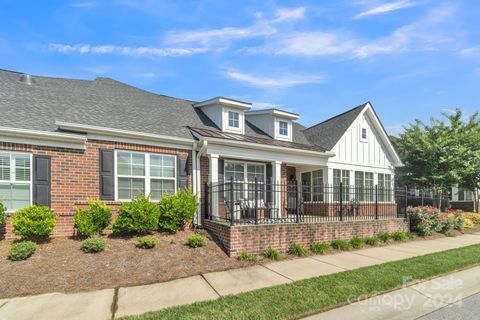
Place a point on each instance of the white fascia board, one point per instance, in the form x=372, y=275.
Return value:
x=119, y=135
x=42, y=138
x=252, y=155
x=384, y=135
x=224, y=101
x=257, y=146
x=275, y=112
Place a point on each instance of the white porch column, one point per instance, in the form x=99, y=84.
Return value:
x=277, y=180
x=213, y=167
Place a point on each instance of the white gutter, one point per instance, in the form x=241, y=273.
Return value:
x=258, y=146
x=42, y=138
x=75, y=127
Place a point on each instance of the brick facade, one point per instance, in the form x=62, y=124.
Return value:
x=75, y=176
x=256, y=238
x=466, y=206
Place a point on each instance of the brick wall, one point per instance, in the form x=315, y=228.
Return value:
x=257, y=238
x=466, y=206
x=75, y=176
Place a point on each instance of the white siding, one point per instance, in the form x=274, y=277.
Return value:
x=219, y=115
x=351, y=153
x=214, y=112
x=265, y=122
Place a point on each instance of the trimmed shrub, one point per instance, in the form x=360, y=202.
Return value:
x=176, y=210
x=343, y=245
x=400, y=236
x=244, y=256
x=357, y=243
x=3, y=214
x=147, y=242
x=373, y=241
x=21, y=250
x=298, y=250
x=197, y=240
x=447, y=224
x=459, y=222
x=34, y=222
x=384, y=236
x=272, y=254
x=94, y=244
x=94, y=220
x=426, y=220
x=320, y=248
x=474, y=217
x=137, y=217
x=468, y=224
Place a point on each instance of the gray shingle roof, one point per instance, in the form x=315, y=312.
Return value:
x=109, y=103
x=327, y=133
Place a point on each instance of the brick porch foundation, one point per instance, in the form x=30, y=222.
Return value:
x=256, y=238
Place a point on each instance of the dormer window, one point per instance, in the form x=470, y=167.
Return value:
x=283, y=128
x=233, y=119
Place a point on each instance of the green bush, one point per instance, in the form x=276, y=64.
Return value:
x=343, y=245
x=357, y=243
x=34, y=222
x=176, y=210
x=373, y=241
x=448, y=223
x=385, y=236
x=400, y=236
x=94, y=244
x=147, y=242
x=21, y=250
x=3, y=214
x=93, y=220
x=244, y=256
x=272, y=254
x=320, y=248
x=197, y=240
x=298, y=250
x=459, y=222
x=424, y=220
x=137, y=217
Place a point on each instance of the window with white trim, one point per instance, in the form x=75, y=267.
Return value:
x=15, y=180
x=341, y=176
x=244, y=175
x=384, y=187
x=151, y=174
x=283, y=128
x=233, y=119
x=465, y=195
x=364, y=186
x=312, y=186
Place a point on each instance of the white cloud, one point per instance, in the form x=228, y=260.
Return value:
x=123, y=50
x=470, y=52
x=273, y=81
x=146, y=75
x=386, y=7
x=260, y=28
x=258, y=105
x=84, y=4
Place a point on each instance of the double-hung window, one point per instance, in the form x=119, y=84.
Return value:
x=341, y=176
x=15, y=180
x=283, y=128
x=151, y=174
x=384, y=187
x=312, y=185
x=233, y=119
x=244, y=175
x=364, y=186
x=465, y=195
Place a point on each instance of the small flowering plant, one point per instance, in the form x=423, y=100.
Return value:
x=427, y=220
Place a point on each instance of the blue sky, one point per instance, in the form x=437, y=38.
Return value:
x=411, y=58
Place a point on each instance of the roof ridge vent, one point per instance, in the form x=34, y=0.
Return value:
x=26, y=78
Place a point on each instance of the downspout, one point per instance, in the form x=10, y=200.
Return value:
x=198, y=180
x=194, y=174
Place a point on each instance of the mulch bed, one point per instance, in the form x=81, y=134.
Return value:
x=60, y=266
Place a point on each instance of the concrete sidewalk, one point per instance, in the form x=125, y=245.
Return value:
x=414, y=301
x=114, y=303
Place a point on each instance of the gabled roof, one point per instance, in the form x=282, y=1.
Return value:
x=329, y=132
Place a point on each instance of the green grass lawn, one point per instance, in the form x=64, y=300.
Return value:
x=322, y=293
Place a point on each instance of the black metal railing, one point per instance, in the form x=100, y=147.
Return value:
x=257, y=202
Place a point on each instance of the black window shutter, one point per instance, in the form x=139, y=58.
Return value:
x=270, y=182
x=107, y=174
x=182, y=172
x=42, y=180
x=221, y=179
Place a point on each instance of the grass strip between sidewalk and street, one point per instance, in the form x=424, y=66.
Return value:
x=314, y=295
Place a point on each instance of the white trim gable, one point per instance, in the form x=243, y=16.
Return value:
x=352, y=148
